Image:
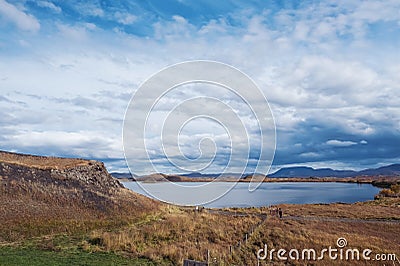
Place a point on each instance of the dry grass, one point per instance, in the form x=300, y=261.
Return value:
x=24, y=217
x=96, y=217
x=168, y=234
x=291, y=234
x=381, y=209
x=356, y=222
x=176, y=234
x=41, y=162
x=38, y=199
x=360, y=210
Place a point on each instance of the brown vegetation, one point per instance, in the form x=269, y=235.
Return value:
x=393, y=192
x=41, y=162
x=164, y=178
x=176, y=234
x=80, y=200
x=305, y=234
x=43, y=200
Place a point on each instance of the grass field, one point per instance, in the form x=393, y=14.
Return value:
x=33, y=256
x=81, y=216
x=172, y=234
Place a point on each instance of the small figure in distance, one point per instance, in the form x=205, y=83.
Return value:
x=280, y=213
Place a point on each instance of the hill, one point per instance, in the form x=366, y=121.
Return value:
x=286, y=172
x=123, y=176
x=215, y=175
x=47, y=193
x=303, y=171
x=58, y=211
x=393, y=169
x=163, y=178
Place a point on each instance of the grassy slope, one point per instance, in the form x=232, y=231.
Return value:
x=47, y=224
x=41, y=162
x=38, y=206
x=35, y=257
x=172, y=234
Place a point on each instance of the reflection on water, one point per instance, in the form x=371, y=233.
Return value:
x=267, y=193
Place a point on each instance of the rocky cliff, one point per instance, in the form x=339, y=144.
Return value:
x=45, y=192
x=27, y=173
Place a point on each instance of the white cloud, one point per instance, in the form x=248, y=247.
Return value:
x=316, y=81
x=49, y=5
x=310, y=155
x=125, y=18
x=88, y=8
x=21, y=19
x=178, y=29
x=340, y=143
x=90, y=26
x=373, y=11
x=87, y=144
x=92, y=10
x=97, y=12
x=214, y=27
x=76, y=32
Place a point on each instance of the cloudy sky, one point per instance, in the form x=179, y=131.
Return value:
x=329, y=69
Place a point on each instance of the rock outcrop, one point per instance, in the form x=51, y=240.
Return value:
x=47, y=191
x=40, y=172
x=81, y=185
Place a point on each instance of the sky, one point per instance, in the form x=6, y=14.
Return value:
x=330, y=71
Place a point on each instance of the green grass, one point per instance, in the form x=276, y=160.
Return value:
x=33, y=256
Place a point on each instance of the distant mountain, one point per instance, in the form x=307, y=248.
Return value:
x=200, y=175
x=122, y=175
x=303, y=171
x=159, y=177
x=194, y=175
x=300, y=171
x=393, y=169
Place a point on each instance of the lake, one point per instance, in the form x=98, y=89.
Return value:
x=267, y=194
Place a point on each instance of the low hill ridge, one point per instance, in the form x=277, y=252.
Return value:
x=286, y=172
x=50, y=191
x=304, y=171
x=69, y=173
x=41, y=162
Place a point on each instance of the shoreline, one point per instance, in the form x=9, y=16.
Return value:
x=380, y=182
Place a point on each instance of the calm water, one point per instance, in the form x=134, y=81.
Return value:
x=268, y=193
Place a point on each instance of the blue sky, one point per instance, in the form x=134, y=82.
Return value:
x=330, y=70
